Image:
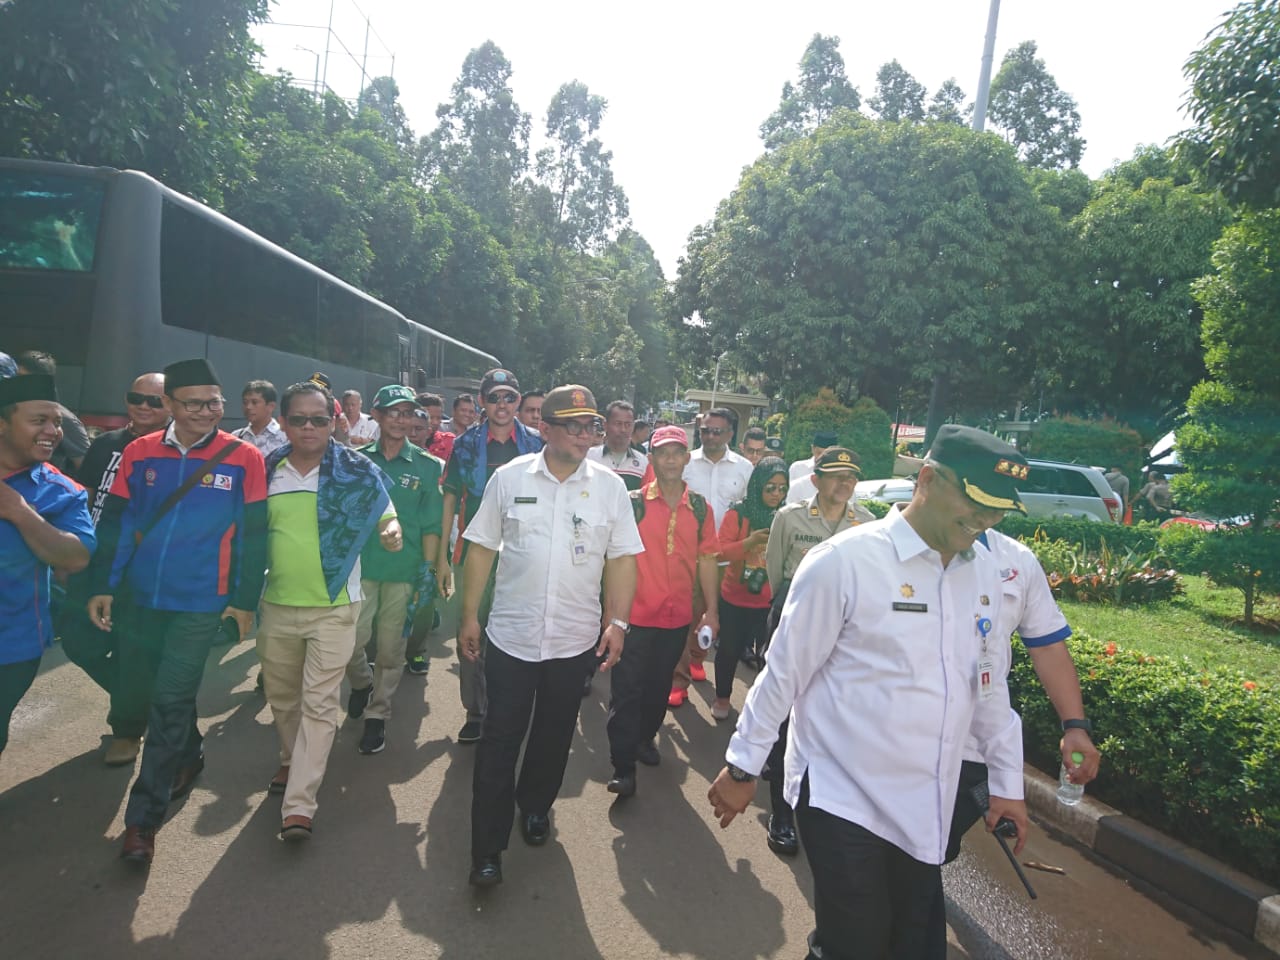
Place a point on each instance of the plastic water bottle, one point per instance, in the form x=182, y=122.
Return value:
x=704, y=638
x=1070, y=793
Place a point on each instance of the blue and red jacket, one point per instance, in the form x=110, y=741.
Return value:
x=26, y=626
x=209, y=551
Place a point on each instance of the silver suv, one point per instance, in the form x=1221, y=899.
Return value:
x=1054, y=489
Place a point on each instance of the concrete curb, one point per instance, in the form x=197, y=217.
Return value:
x=1230, y=897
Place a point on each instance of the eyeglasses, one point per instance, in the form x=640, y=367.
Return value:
x=713, y=431
x=298, y=420
x=502, y=396
x=776, y=488
x=144, y=399
x=394, y=413
x=576, y=428
x=195, y=406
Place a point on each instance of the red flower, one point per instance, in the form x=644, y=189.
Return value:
x=1111, y=649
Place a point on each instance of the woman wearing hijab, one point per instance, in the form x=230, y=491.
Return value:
x=744, y=593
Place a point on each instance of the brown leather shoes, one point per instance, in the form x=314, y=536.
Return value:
x=139, y=845
x=185, y=778
x=122, y=751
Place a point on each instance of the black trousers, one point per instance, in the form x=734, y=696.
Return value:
x=100, y=655
x=871, y=900
x=741, y=628
x=639, y=685
x=541, y=698
x=15, y=681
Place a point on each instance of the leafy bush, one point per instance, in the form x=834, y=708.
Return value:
x=1097, y=442
x=881, y=510
x=1189, y=751
x=1055, y=556
x=1239, y=557
x=1113, y=576
x=863, y=428
x=1142, y=537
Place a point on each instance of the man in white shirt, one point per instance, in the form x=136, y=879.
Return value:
x=560, y=522
x=258, y=401
x=362, y=428
x=885, y=660
x=801, y=471
x=719, y=476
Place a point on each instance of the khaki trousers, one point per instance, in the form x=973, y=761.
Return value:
x=388, y=602
x=304, y=653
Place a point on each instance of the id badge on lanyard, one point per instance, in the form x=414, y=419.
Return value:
x=986, y=665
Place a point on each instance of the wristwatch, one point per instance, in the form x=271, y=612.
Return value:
x=1081, y=724
x=738, y=775
x=620, y=624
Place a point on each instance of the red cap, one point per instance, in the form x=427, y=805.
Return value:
x=664, y=435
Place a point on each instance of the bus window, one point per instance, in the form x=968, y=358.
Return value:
x=382, y=343
x=340, y=328
x=48, y=222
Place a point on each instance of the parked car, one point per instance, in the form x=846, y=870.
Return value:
x=1051, y=489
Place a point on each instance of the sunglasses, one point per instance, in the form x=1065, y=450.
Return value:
x=502, y=396
x=298, y=420
x=775, y=488
x=576, y=429
x=713, y=431
x=144, y=399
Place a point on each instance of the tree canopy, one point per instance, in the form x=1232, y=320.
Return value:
x=1038, y=118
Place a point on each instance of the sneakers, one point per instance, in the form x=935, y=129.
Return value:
x=720, y=709
x=697, y=672
x=676, y=698
x=470, y=732
x=358, y=700
x=375, y=736
x=122, y=751
x=417, y=665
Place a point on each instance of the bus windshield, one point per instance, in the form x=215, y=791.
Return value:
x=48, y=222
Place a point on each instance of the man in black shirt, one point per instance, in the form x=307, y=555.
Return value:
x=84, y=644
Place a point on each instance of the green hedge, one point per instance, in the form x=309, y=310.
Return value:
x=1099, y=442
x=1142, y=536
x=863, y=428
x=1187, y=750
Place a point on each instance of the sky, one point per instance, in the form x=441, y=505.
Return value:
x=688, y=83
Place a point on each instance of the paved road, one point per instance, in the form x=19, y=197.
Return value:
x=385, y=875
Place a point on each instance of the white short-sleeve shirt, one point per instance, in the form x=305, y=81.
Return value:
x=722, y=482
x=877, y=657
x=554, y=538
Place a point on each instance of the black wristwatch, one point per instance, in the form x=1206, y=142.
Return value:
x=1080, y=724
x=738, y=775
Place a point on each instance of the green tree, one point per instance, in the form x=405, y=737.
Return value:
x=899, y=95
x=872, y=256
x=1234, y=101
x=156, y=86
x=1037, y=117
x=948, y=106
x=823, y=89
x=481, y=143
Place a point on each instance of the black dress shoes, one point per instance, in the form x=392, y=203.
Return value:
x=623, y=784
x=486, y=871
x=647, y=753
x=782, y=834
x=535, y=827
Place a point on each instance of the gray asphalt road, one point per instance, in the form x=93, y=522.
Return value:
x=385, y=875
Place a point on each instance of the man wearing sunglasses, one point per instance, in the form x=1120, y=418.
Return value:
x=191, y=554
x=389, y=573
x=477, y=452
x=562, y=523
x=84, y=646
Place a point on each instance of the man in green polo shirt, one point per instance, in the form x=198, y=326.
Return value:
x=387, y=578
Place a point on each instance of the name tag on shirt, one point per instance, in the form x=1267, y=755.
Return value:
x=579, y=552
x=986, y=670
x=911, y=607
x=526, y=499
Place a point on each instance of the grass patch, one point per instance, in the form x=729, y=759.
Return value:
x=1201, y=625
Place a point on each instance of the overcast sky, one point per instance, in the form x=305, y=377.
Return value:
x=688, y=83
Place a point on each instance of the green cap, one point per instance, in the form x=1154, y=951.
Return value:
x=392, y=394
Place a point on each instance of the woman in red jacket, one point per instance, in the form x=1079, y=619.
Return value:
x=744, y=592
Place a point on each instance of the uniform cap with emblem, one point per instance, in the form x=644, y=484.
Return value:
x=987, y=468
x=30, y=386
x=665, y=435
x=571, y=400
x=773, y=444
x=392, y=394
x=838, y=460
x=321, y=379
x=190, y=373
x=825, y=438
x=498, y=377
